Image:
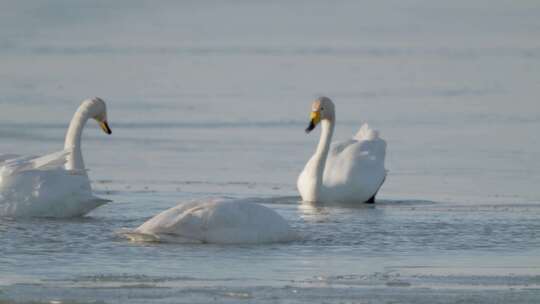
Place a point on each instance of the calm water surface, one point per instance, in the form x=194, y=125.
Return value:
x=211, y=100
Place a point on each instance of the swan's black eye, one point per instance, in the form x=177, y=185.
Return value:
x=322, y=109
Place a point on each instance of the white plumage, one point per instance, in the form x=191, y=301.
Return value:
x=215, y=221
x=56, y=184
x=345, y=172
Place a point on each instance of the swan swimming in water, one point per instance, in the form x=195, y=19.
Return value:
x=345, y=172
x=56, y=184
x=221, y=221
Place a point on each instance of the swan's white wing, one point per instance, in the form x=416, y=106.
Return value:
x=352, y=159
x=55, y=160
x=171, y=221
x=25, y=163
x=216, y=222
x=366, y=133
x=355, y=168
x=41, y=186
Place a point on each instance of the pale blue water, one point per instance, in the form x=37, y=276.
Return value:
x=211, y=99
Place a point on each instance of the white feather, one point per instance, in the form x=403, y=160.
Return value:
x=41, y=186
x=345, y=172
x=366, y=133
x=215, y=221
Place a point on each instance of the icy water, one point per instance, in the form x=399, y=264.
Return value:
x=210, y=99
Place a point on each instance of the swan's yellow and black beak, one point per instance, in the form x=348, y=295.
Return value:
x=315, y=118
x=105, y=127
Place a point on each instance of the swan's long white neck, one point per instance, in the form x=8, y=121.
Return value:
x=73, y=138
x=318, y=160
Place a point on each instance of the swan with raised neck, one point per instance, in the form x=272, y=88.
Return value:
x=94, y=108
x=350, y=171
x=322, y=111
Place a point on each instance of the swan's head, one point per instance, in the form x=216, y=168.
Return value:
x=321, y=109
x=98, y=110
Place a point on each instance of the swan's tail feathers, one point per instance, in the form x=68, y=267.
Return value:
x=372, y=199
x=26, y=163
x=95, y=202
x=366, y=133
x=90, y=204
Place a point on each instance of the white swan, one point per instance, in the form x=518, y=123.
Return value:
x=346, y=172
x=216, y=221
x=54, y=185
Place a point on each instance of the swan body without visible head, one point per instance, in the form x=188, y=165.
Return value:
x=56, y=184
x=345, y=172
x=215, y=221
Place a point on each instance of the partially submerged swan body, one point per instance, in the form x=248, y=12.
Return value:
x=56, y=184
x=345, y=172
x=222, y=221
